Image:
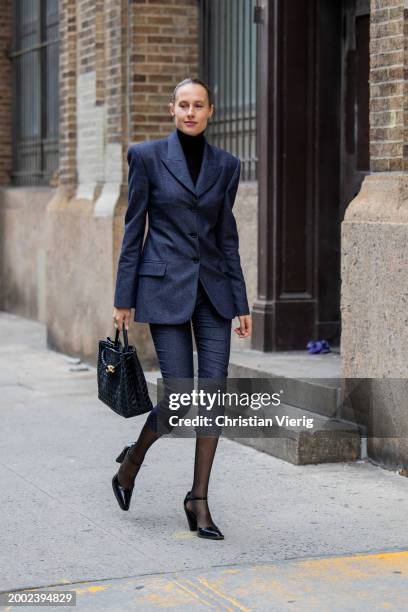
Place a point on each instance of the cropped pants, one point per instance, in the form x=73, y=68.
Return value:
x=174, y=347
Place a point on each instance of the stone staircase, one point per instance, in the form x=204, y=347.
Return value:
x=311, y=388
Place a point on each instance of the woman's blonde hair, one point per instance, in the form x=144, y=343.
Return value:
x=196, y=81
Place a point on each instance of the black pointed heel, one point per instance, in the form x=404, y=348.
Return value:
x=211, y=532
x=191, y=517
x=122, y=455
x=123, y=494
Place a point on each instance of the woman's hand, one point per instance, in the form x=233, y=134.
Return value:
x=120, y=316
x=245, y=326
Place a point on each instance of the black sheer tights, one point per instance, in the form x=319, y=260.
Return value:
x=204, y=457
x=130, y=466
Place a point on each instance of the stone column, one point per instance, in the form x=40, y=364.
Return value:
x=374, y=298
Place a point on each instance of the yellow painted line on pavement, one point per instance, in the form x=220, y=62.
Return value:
x=95, y=589
x=255, y=580
x=399, y=554
x=168, y=595
x=193, y=594
x=371, y=578
x=217, y=599
x=233, y=601
x=356, y=566
x=92, y=588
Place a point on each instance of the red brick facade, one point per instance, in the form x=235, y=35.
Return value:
x=163, y=50
x=388, y=86
x=67, y=91
x=138, y=52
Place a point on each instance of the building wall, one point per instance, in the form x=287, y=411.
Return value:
x=23, y=244
x=163, y=51
x=119, y=63
x=374, y=298
x=22, y=210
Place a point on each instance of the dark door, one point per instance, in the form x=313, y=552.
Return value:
x=355, y=161
x=313, y=155
x=343, y=140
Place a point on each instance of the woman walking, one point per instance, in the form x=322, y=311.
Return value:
x=188, y=275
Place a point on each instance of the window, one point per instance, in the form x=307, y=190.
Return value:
x=228, y=65
x=34, y=59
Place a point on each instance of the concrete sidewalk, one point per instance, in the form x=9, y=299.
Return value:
x=291, y=532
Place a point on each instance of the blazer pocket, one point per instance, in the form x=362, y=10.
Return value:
x=153, y=268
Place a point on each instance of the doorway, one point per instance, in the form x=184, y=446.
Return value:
x=342, y=140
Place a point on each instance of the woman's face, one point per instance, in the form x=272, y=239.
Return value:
x=191, y=110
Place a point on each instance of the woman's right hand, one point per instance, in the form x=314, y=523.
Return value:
x=120, y=316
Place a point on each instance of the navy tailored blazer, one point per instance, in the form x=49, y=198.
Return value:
x=192, y=234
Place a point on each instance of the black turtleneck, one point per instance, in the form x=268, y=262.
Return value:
x=193, y=148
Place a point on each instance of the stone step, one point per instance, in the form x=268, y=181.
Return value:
x=330, y=440
x=322, y=395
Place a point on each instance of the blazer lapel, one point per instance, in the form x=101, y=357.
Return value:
x=176, y=164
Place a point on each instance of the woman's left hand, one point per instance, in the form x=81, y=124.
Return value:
x=245, y=326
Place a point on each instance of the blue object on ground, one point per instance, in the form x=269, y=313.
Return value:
x=318, y=346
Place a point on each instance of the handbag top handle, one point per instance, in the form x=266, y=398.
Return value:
x=125, y=337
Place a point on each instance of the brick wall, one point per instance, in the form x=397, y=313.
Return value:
x=5, y=93
x=388, y=85
x=117, y=75
x=67, y=91
x=90, y=94
x=113, y=73
x=163, y=50
x=119, y=62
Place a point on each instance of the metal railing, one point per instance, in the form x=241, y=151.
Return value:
x=228, y=56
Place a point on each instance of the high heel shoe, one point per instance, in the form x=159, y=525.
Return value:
x=122, y=455
x=123, y=494
x=211, y=532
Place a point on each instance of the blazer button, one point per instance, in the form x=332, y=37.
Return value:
x=193, y=234
x=195, y=259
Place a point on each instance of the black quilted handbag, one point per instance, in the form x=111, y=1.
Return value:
x=121, y=382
